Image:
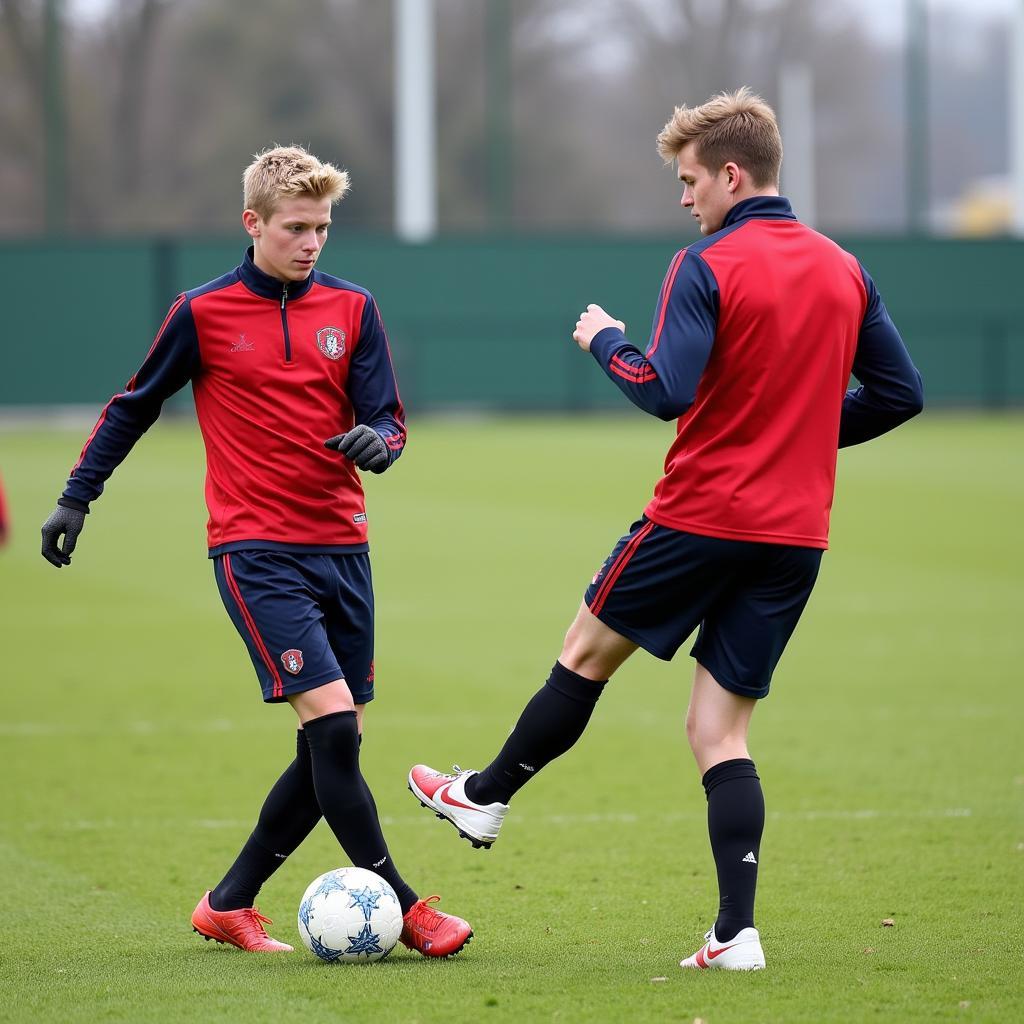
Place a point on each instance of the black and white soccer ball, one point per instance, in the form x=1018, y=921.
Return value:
x=350, y=914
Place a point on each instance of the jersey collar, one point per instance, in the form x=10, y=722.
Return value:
x=760, y=208
x=270, y=287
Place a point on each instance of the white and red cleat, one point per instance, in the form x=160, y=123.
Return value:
x=445, y=795
x=743, y=952
x=432, y=932
x=241, y=928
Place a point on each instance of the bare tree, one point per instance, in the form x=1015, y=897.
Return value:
x=25, y=50
x=21, y=114
x=168, y=100
x=135, y=31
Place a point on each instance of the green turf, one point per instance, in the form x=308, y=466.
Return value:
x=136, y=749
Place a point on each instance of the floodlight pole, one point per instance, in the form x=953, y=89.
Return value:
x=498, y=28
x=415, y=141
x=918, y=176
x=796, y=109
x=55, y=122
x=1017, y=117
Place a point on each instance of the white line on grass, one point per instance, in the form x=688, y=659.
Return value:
x=390, y=821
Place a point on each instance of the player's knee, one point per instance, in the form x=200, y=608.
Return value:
x=575, y=648
x=583, y=657
x=693, y=731
x=592, y=650
x=329, y=699
x=704, y=734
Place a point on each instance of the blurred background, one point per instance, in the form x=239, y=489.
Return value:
x=504, y=171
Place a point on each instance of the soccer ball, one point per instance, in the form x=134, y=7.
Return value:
x=350, y=914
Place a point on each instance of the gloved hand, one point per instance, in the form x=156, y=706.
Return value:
x=66, y=521
x=364, y=446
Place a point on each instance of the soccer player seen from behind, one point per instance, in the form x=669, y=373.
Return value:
x=757, y=329
x=294, y=391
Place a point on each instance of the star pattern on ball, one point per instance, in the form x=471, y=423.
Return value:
x=366, y=899
x=365, y=943
x=320, y=949
x=330, y=883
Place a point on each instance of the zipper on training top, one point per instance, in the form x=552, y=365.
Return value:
x=284, y=324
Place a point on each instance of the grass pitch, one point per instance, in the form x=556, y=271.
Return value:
x=137, y=749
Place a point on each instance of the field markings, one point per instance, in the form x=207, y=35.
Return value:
x=398, y=720
x=575, y=820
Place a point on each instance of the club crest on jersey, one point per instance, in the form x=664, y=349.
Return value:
x=292, y=661
x=331, y=341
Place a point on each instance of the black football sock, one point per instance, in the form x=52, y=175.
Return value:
x=549, y=725
x=345, y=798
x=289, y=814
x=735, y=824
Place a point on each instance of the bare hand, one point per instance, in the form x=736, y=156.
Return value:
x=591, y=321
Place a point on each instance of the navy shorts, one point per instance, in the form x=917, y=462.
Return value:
x=306, y=619
x=658, y=585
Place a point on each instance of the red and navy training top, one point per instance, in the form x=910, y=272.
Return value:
x=276, y=368
x=756, y=332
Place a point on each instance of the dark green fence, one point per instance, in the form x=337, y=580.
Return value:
x=485, y=322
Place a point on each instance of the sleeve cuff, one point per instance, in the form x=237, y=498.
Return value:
x=603, y=342
x=73, y=503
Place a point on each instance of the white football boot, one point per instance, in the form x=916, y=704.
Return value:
x=741, y=953
x=445, y=795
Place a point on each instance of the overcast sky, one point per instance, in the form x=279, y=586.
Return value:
x=884, y=16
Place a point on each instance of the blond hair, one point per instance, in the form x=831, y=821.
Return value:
x=737, y=126
x=285, y=172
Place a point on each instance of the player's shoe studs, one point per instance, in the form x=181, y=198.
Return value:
x=241, y=928
x=743, y=952
x=432, y=933
x=445, y=795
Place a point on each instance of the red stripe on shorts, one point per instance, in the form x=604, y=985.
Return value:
x=617, y=566
x=251, y=624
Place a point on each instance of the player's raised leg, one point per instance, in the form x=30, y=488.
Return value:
x=328, y=717
x=476, y=802
x=717, y=723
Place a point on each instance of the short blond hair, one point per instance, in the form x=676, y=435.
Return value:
x=737, y=126
x=285, y=172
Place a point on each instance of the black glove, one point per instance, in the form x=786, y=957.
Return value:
x=364, y=446
x=66, y=521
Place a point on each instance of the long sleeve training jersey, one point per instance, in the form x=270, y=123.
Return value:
x=756, y=332
x=276, y=368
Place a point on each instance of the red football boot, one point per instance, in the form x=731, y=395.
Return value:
x=432, y=933
x=242, y=928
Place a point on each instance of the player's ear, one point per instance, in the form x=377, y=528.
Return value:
x=252, y=223
x=732, y=176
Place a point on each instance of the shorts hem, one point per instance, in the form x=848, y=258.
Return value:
x=723, y=678
x=662, y=653
x=302, y=686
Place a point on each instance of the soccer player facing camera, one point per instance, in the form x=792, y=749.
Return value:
x=294, y=391
x=757, y=329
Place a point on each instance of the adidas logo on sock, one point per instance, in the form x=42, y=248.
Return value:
x=750, y=858
x=526, y=767
x=377, y=863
